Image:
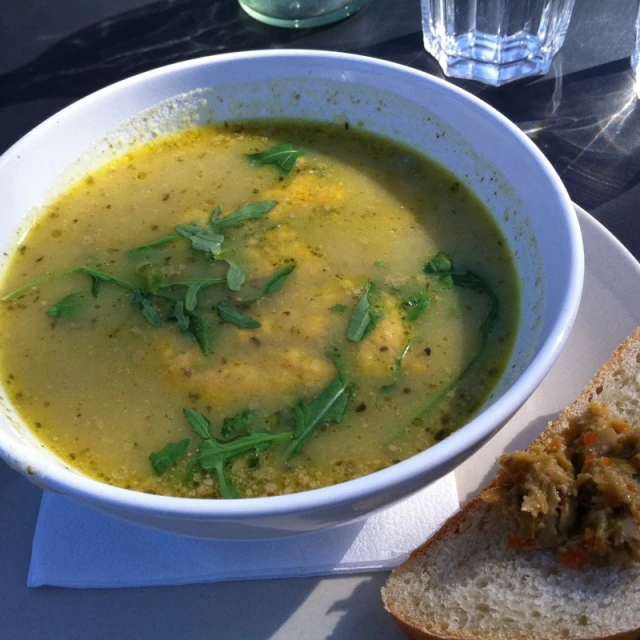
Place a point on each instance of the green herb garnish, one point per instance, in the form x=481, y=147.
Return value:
x=140, y=296
x=361, y=317
x=415, y=305
x=440, y=263
x=160, y=242
x=153, y=279
x=199, y=423
x=97, y=275
x=329, y=406
x=70, y=306
x=251, y=211
x=95, y=286
x=283, y=156
x=214, y=455
x=338, y=308
x=472, y=282
x=235, y=276
x=193, y=288
x=168, y=456
x=201, y=239
x=150, y=313
x=446, y=280
x=276, y=281
x=397, y=367
x=181, y=317
x=201, y=328
x=238, y=423
x=229, y=314
x=34, y=284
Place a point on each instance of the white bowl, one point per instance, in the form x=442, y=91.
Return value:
x=484, y=149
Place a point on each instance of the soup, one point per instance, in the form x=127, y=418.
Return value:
x=256, y=309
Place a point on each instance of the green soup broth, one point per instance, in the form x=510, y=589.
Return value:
x=362, y=308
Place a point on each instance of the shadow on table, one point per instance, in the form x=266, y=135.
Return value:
x=170, y=31
x=255, y=609
x=587, y=123
x=129, y=43
x=174, y=30
x=357, y=611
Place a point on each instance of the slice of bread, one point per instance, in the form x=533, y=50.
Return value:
x=465, y=583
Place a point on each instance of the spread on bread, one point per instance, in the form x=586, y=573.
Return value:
x=577, y=491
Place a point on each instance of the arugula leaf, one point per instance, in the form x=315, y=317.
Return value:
x=101, y=276
x=338, y=308
x=193, y=288
x=283, y=156
x=416, y=305
x=276, y=281
x=95, y=274
x=201, y=239
x=250, y=211
x=446, y=280
x=361, y=317
x=166, y=239
x=201, y=328
x=182, y=319
x=328, y=406
x=95, y=286
x=440, y=263
x=474, y=282
x=168, y=456
x=229, y=314
x=338, y=360
x=235, y=276
x=215, y=455
x=240, y=422
x=193, y=468
x=138, y=294
x=153, y=279
x=34, y=285
x=150, y=313
x=199, y=423
x=397, y=366
x=70, y=306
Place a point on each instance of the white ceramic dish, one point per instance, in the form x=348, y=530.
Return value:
x=313, y=608
x=486, y=151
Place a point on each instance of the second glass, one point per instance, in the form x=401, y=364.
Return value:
x=494, y=41
x=300, y=13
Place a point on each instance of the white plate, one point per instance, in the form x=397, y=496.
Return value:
x=338, y=608
x=609, y=312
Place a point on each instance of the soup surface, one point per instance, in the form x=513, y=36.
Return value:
x=197, y=320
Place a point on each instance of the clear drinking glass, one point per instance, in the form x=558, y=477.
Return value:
x=494, y=41
x=635, y=54
x=300, y=13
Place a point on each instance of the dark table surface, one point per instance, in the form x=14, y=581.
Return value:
x=583, y=115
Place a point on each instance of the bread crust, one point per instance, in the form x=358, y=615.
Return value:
x=465, y=517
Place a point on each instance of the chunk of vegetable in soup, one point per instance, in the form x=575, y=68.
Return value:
x=256, y=310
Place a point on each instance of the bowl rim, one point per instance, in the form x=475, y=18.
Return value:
x=456, y=446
